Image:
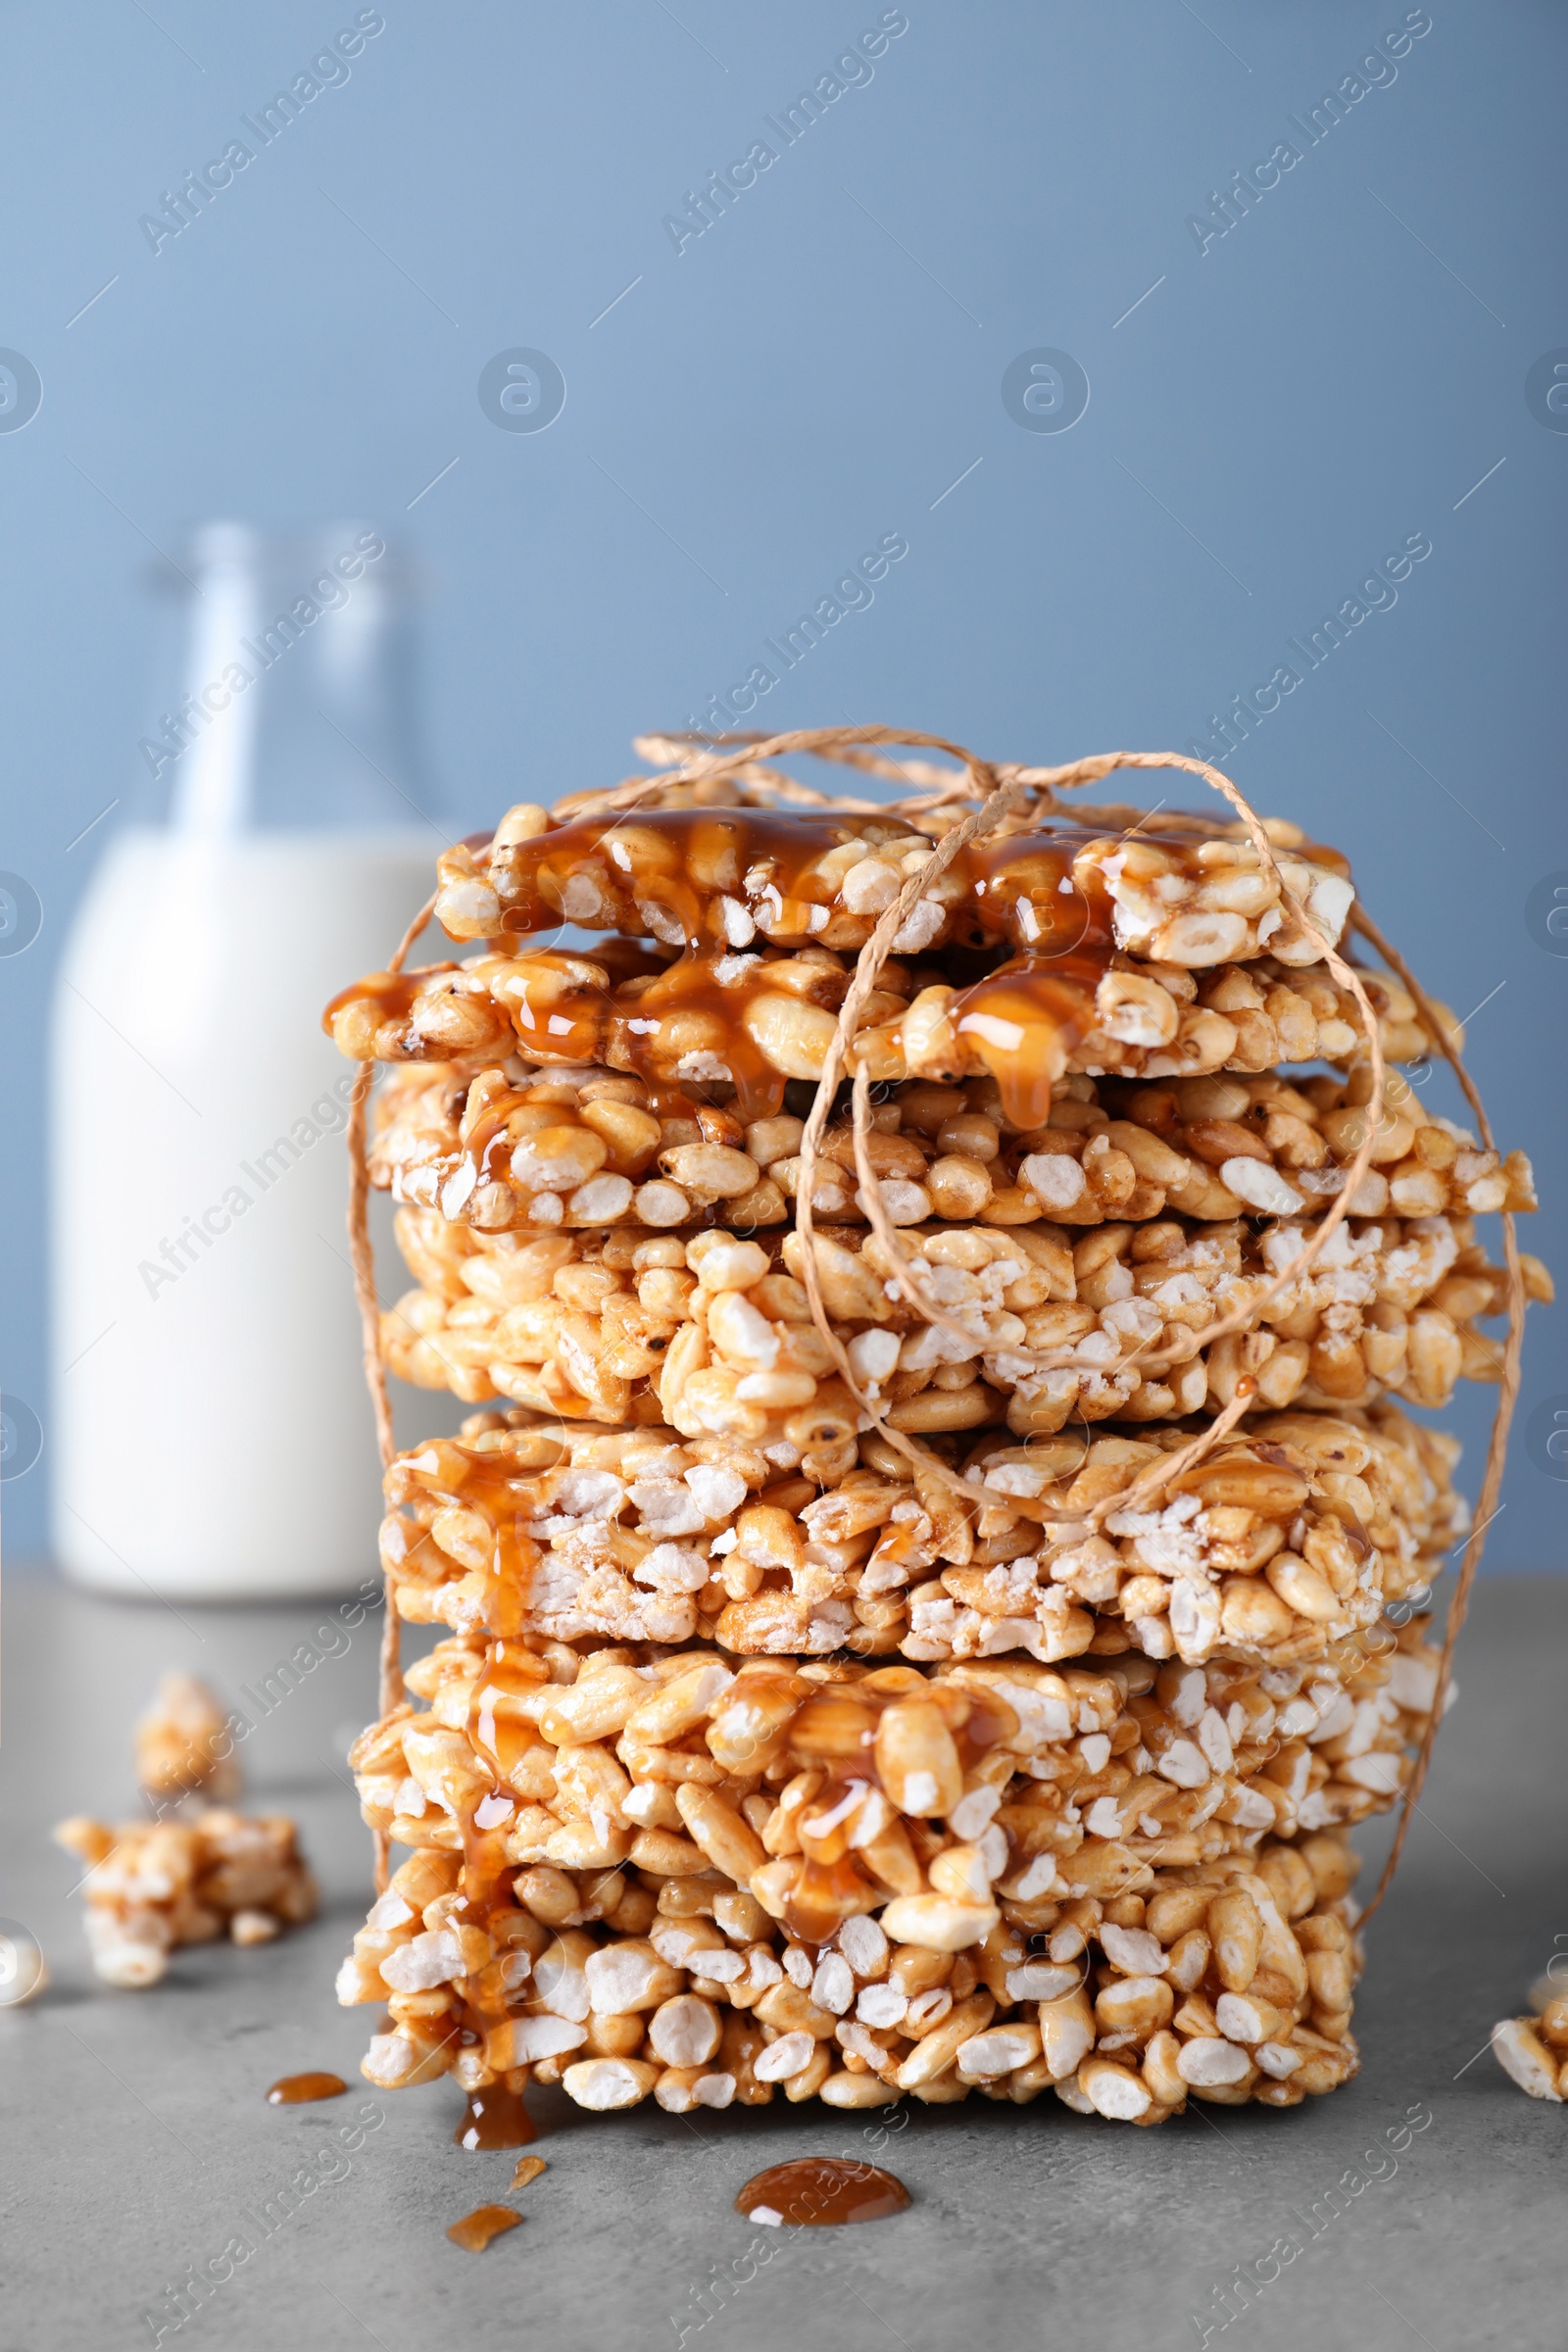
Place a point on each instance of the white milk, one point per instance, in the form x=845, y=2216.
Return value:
x=210, y=1433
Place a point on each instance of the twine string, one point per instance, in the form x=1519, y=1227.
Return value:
x=873, y=955
x=995, y=791
x=1501, y=1420
x=361, y=1256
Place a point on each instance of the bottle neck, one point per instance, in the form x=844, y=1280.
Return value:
x=297, y=711
x=215, y=781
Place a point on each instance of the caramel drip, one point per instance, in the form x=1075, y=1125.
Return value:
x=293, y=2091
x=573, y=1025
x=392, y=992
x=500, y=1735
x=649, y=1023
x=814, y=1907
x=1024, y=1019
x=476, y=2228
x=816, y=2192
x=495, y=2118
x=484, y=1860
x=829, y=1877
x=488, y=1147
x=492, y=1489
x=688, y=996
x=485, y=1824
x=1023, y=891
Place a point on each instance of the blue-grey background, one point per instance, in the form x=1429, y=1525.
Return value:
x=1268, y=418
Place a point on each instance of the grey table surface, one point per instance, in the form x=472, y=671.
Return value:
x=136, y=2141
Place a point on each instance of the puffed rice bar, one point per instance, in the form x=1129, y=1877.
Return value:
x=776, y=1843
x=695, y=878
x=1121, y=1749
x=502, y=1147
x=1291, y=1536
x=754, y=1022
x=1041, y=1325
x=1208, y=1985
x=152, y=1887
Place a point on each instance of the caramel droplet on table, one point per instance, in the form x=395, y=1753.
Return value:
x=293, y=2091
x=476, y=2228
x=496, y=2117
x=816, y=2191
x=528, y=2169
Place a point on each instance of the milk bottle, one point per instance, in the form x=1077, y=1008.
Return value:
x=210, y=1435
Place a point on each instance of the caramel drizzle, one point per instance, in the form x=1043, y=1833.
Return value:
x=727, y=846
x=496, y=2117
x=1020, y=1022
x=636, y=1020
x=648, y=1026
